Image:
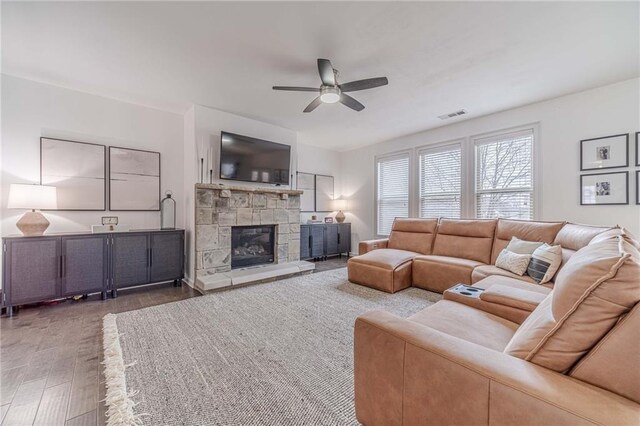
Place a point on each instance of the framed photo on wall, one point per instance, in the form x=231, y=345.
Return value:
x=604, y=189
x=78, y=170
x=604, y=153
x=134, y=179
x=306, y=183
x=324, y=193
x=637, y=186
x=637, y=148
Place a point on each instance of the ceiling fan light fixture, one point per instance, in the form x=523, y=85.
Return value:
x=330, y=95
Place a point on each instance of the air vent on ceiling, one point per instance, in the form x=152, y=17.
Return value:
x=452, y=114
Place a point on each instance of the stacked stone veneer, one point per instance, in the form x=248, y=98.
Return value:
x=219, y=208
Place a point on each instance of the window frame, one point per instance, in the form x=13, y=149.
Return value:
x=406, y=153
x=535, y=167
x=461, y=143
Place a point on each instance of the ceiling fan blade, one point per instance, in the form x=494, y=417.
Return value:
x=296, y=89
x=350, y=102
x=368, y=83
x=325, y=69
x=313, y=105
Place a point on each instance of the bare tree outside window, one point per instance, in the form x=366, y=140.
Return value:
x=504, y=176
x=440, y=181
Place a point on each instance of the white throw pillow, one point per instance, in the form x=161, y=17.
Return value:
x=545, y=262
x=516, y=245
x=513, y=262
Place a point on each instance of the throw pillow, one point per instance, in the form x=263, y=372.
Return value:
x=516, y=245
x=513, y=262
x=545, y=262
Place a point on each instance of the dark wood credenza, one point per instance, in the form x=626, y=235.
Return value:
x=322, y=240
x=37, y=269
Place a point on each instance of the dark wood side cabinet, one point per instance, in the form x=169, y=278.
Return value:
x=37, y=269
x=319, y=241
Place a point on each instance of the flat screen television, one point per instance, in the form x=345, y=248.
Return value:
x=253, y=160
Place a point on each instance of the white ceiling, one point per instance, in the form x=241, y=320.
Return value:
x=439, y=57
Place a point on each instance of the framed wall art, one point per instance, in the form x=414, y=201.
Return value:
x=604, y=189
x=134, y=179
x=324, y=193
x=77, y=170
x=607, y=152
x=306, y=183
x=637, y=148
x=637, y=186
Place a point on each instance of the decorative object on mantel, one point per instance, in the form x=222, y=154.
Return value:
x=604, y=189
x=340, y=205
x=33, y=197
x=324, y=193
x=134, y=179
x=78, y=170
x=306, y=182
x=607, y=152
x=168, y=212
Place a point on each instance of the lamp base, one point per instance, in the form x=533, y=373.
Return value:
x=32, y=224
x=340, y=216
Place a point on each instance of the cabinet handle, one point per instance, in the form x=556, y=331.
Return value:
x=60, y=267
x=150, y=257
x=338, y=238
x=64, y=265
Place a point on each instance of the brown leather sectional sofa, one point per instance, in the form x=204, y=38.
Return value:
x=510, y=351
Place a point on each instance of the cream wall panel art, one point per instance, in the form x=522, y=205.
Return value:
x=134, y=179
x=77, y=170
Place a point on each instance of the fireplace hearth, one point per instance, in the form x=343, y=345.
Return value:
x=252, y=245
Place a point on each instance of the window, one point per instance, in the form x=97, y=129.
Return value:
x=440, y=181
x=504, y=176
x=392, y=193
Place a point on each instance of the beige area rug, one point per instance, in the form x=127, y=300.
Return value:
x=270, y=354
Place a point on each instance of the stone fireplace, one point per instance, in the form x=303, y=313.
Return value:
x=252, y=245
x=225, y=213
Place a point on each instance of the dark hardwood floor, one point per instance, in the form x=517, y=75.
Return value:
x=50, y=355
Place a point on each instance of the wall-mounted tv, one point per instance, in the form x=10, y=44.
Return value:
x=253, y=160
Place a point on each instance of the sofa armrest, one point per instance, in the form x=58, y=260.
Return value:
x=408, y=373
x=513, y=297
x=367, y=246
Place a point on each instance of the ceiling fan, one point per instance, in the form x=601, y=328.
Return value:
x=332, y=92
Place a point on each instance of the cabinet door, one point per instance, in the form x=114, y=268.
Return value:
x=167, y=256
x=130, y=259
x=344, y=238
x=33, y=270
x=305, y=242
x=331, y=239
x=317, y=240
x=84, y=264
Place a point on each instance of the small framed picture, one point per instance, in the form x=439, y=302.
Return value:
x=328, y=219
x=637, y=148
x=638, y=187
x=604, y=153
x=604, y=189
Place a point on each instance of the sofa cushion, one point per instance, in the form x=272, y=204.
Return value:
x=467, y=239
x=485, y=271
x=385, y=258
x=467, y=323
x=438, y=273
x=505, y=281
x=523, y=229
x=413, y=234
x=596, y=287
x=572, y=237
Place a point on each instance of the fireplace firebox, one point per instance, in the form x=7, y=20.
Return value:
x=252, y=245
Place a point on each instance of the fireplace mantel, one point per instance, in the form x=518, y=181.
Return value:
x=259, y=189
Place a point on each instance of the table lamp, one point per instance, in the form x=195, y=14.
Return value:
x=33, y=197
x=340, y=205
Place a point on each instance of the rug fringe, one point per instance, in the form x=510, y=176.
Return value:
x=119, y=403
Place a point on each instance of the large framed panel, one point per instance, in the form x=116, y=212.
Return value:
x=324, y=193
x=306, y=182
x=134, y=179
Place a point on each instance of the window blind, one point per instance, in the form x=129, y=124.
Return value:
x=440, y=181
x=504, y=176
x=392, y=191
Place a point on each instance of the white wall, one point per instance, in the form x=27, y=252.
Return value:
x=563, y=122
x=31, y=110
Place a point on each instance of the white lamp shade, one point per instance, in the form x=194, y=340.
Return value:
x=339, y=205
x=36, y=197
